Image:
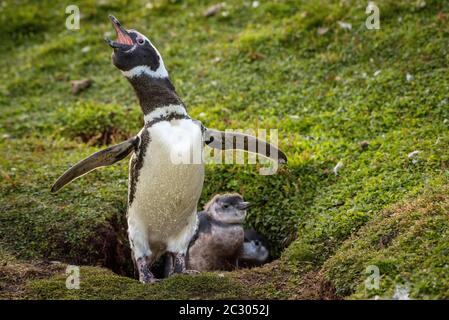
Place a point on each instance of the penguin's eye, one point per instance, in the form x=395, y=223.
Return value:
x=225, y=205
x=140, y=41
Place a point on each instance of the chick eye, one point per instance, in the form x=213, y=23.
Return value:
x=140, y=41
x=226, y=206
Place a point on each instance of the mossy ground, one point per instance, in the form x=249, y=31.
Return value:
x=247, y=67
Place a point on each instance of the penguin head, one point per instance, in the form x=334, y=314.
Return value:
x=227, y=208
x=254, y=253
x=255, y=250
x=134, y=54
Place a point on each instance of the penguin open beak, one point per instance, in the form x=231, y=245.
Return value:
x=244, y=205
x=124, y=41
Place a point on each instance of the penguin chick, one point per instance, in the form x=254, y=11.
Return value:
x=220, y=235
x=255, y=250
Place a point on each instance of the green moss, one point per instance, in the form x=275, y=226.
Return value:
x=96, y=283
x=406, y=243
x=273, y=281
x=91, y=122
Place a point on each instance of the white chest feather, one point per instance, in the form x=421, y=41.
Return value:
x=170, y=180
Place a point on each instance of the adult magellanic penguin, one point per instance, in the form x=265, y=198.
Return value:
x=163, y=189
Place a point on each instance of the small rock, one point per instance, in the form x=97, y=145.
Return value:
x=443, y=102
x=202, y=115
x=364, y=145
x=337, y=167
x=213, y=10
x=221, y=275
x=322, y=30
x=80, y=85
x=413, y=154
x=85, y=49
x=409, y=77
x=255, y=4
x=421, y=4
x=377, y=72
x=344, y=25
x=442, y=16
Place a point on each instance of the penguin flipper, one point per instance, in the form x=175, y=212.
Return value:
x=101, y=158
x=239, y=141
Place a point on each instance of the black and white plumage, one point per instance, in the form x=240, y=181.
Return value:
x=163, y=193
x=163, y=189
x=255, y=251
x=218, y=242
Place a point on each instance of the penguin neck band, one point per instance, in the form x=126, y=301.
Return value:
x=154, y=93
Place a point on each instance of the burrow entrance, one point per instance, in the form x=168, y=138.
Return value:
x=113, y=251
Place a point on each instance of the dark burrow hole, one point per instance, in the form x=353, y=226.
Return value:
x=113, y=252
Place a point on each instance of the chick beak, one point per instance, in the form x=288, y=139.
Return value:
x=243, y=205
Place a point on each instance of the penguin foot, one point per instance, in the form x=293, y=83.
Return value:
x=176, y=263
x=145, y=275
x=179, y=263
x=148, y=277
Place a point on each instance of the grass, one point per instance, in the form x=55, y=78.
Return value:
x=263, y=67
x=408, y=243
